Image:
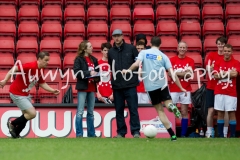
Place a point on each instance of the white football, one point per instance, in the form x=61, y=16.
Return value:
x=150, y=131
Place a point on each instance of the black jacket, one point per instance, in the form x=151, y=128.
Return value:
x=124, y=57
x=80, y=66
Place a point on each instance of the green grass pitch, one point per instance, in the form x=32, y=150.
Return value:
x=119, y=149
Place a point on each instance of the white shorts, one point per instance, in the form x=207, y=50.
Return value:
x=143, y=98
x=225, y=103
x=179, y=97
x=23, y=102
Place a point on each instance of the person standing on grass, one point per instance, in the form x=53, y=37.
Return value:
x=85, y=66
x=142, y=95
x=183, y=66
x=211, y=59
x=153, y=60
x=120, y=57
x=104, y=87
x=225, y=91
x=31, y=73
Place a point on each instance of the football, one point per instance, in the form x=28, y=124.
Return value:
x=150, y=131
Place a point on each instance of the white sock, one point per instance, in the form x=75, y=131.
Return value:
x=225, y=131
x=209, y=131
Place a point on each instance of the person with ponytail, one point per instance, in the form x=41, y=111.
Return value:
x=84, y=67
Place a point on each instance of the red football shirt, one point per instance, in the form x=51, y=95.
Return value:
x=140, y=87
x=212, y=58
x=91, y=83
x=104, y=86
x=181, y=64
x=23, y=84
x=231, y=86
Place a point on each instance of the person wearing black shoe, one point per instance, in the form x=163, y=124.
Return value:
x=121, y=56
x=31, y=73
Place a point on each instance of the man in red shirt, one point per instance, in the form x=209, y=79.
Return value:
x=211, y=59
x=104, y=87
x=225, y=91
x=31, y=73
x=142, y=94
x=183, y=66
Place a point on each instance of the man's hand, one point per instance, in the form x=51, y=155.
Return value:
x=93, y=73
x=111, y=97
x=99, y=97
x=56, y=92
x=2, y=83
x=125, y=71
x=184, y=90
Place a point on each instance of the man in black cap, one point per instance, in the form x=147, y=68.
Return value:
x=142, y=37
x=120, y=57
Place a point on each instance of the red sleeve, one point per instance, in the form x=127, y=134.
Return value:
x=172, y=61
x=238, y=67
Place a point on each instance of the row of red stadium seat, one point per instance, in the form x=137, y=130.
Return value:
x=100, y=30
x=111, y=3
x=116, y=15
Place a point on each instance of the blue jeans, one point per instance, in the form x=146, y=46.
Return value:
x=89, y=98
x=130, y=95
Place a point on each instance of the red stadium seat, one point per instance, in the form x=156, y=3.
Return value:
x=194, y=46
x=51, y=46
x=236, y=56
x=28, y=31
x=190, y=30
x=213, y=29
x=219, y=2
x=50, y=98
x=143, y=15
x=232, y=13
x=231, y=2
x=51, y=31
x=26, y=58
x=189, y=13
x=97, y=3
x=28, y=15
x=74, y=15
x=99, y=15
x=144, y=28
x=212, y=13
x=27, y=46
x=7, y=31
x=209, y=45
x=4, y=92
x=68, y=61
x=52, y=75
x=75, y=3
x=235, y=44
x=167, y=30
x=96, y=44
x=97, y=31
x=169, y=46
x=120, y=3
x=9, y=3
x=6, y=61
x=126, y=29
x=8, y=15
x=27, y=3
x=51, y=15
x=52, y=3
x=143, y=3
x=191, y=2
x=54, y=61
x=74, y=31
x=233, y=29
x=198, y=60
x=7, y=46
x=71, y=46
x=166, y=2
x=118, y=15
x=165, y=12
